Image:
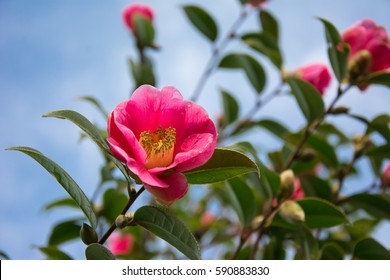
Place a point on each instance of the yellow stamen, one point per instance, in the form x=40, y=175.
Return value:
x=159, y=146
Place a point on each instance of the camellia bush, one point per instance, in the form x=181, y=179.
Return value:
x=288, y=203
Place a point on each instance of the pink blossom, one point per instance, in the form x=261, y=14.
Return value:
x=120, y=244
x=298, y=192
x=158, y=135
x=137, y=8
x=207, y=219
x=386, y=177
x=367, y=36
x=257, y=3
x=316, y=74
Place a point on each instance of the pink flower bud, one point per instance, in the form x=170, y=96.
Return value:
x=120, y=244
x=137, y=8
x=207, y=219
x=257, y=3
x=316, y=74
x=386, y=177
x=298, y=192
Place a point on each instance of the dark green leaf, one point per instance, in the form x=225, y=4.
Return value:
x=308, y=98
x=230, y=107
x=253, y=70
x=202, y=21
x=316, y=187
x=377, y=205
x=224, y=164
x=381, y=125
x=269, y=24
x=94, y=102
x=379, y=78
x=320, y=213
x=63, y=179
x=143, y=30
x=332, y=251
x=380, y=152
x=309, y=245
x=95, y=251
x=53, y=253
x=142, y=72
x=272, y=126
x=113, y=203
x=329, y=130
x=361, y=228
x=243, y=201
x=270, y=180
x=338, y=51
x=370, y=249
x=168, y=228
x=3, y=256
x=64, y=232
x=63, y=202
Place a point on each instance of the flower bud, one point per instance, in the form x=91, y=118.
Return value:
x=359, y=66
x=287, y=179
x=257, y=221
x=339, y=110
x=360, y=143
x=88, y=234
x=292, y=212
x=123, y=221
x=386, y=177
x=129, y=12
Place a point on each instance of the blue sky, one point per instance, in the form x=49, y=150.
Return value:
x=53, y=51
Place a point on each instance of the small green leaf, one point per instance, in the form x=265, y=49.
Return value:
x=230, y=107
x=63, y=179
x=370, y=249
x=243, y=201
x=332, y=251
x=64, y=232
x=377, y=205
x=272, y=126
x=142, y=72
x=380, y=152
x=338, y=50
x=381, y=125
x=321, y=213
x=308, y=98
x=361, y=228
x=143, y=30
x=113, y=203
x=379, y=78
x=202, y=21
x=316, y=187
x=95, y=251
x=223, y=165
x=269, y=24
x=63, y=202
x=53, y=253
x=253, y=70
x=270, y=180
x=94, y=102
x=169, y=228
x=329, y=130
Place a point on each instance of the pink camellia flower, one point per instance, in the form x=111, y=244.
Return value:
x=137, y=8
x=386, y=177
x=158, y=135
x=366, y=36
x=298, y=192
x=120, y=244
x=257, y=3
x=316, y=74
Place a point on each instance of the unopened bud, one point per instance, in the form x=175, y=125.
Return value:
x=307, y=155
x=292, y=212
x=88, y=234
x=359, y=66
x=339, y=110
x=257, y=221
x=123, y=221
x=287, y=179
x=361, y=143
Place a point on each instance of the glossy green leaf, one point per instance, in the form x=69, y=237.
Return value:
x=113, y=203
x=321, y=213
x=253, y=70
x=381, y=152
x=63, y=202
x=169, y=228
x=332, y=251
x=63, y=179
x=338, y=51
x=379, y=78
x=143, y=30
x=269, y=179
x=230, y=107
x=377, y=205
x=223, y=165
x=243, y=201
x=92, y=100
x=63, y=232
x=370, y=249
x=381, y=125
x=265, y=44
x=202, y=21
x=361, y=228
x=53, y=253
x=308, y=98
x=269, y=24
x=142, y=72
x=95, y=251
x=316, y=187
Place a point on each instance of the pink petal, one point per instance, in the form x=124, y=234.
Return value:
x=178, y=187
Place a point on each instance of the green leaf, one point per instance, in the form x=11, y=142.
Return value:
x=243, y=201
x=269, y=24
x=142, y=72
x=63, y=179
x=169, y=228
x=113, y=203
x=370, y=249
x=338, y=50
x=143, y=30
x=53, y=253
x=3, y=256
x=309, y=244
x=329, y=130
x=270, y=180
x=64, y=232
x=230, y=107
x=361, y=228
x=63, y=202
x=223, y=165
x=320, y=213
x=272, y=126
x=308, y=98
x=332, y=251
x=379, y=78
x=381, y=125
x=94, y=102
x=377, y=205
x=95, y=251
x=253, y=70
x=265, y=44
x=202, y=21
x=380, y=152
x=316, y=187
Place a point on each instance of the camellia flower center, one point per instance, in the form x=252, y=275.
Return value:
x=159, y=146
